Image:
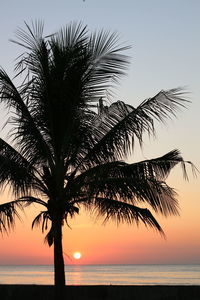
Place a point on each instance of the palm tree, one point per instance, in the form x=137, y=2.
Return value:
x=66, y=148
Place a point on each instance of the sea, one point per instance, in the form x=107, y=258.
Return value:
x=103, y=274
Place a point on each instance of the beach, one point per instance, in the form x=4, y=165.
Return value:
x=104, y=292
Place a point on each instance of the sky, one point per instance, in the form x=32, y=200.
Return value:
x=165, y=53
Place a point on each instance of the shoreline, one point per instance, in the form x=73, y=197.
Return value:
x=101, y=292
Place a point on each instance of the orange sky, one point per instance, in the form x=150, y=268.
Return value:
x=110, y=244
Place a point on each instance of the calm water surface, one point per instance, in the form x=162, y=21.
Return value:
x=105, y=274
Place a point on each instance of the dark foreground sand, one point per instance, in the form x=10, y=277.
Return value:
x=103, y=292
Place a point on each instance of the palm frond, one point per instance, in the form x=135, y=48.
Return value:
x=28, y=38
x=15, y=170
x=165, y=104
x=70, y=36
x=160, y=167
x=49, y=239
x=72, y=62
x=8, y=214
x=116, y=130
x=24, y=128
x=121, y=212
x=28, y=200
x=43, y=219
x=132, y=183
x=108, y=63
x=157, y=194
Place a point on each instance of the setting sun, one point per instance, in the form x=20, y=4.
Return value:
x=77, y=255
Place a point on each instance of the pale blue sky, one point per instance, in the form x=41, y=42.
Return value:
x=165, y=53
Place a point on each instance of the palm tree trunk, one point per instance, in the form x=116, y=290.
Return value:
x=59, y=267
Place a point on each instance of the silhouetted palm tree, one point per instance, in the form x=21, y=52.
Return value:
x=66, y=147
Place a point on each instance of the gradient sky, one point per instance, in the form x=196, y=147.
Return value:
x=165, y=54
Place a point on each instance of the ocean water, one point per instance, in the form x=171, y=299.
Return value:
x=104, y=274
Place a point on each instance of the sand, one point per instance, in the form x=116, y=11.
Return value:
x=104, y=292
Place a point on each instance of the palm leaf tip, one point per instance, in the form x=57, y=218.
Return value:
x=163, y=105
x=42, y=218
x=149, y=220
x=122, y=212
x=174, y=157
x=174, y=98
x=49, y=238
x=164, y=164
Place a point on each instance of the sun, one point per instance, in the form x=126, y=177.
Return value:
x=77, y=255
